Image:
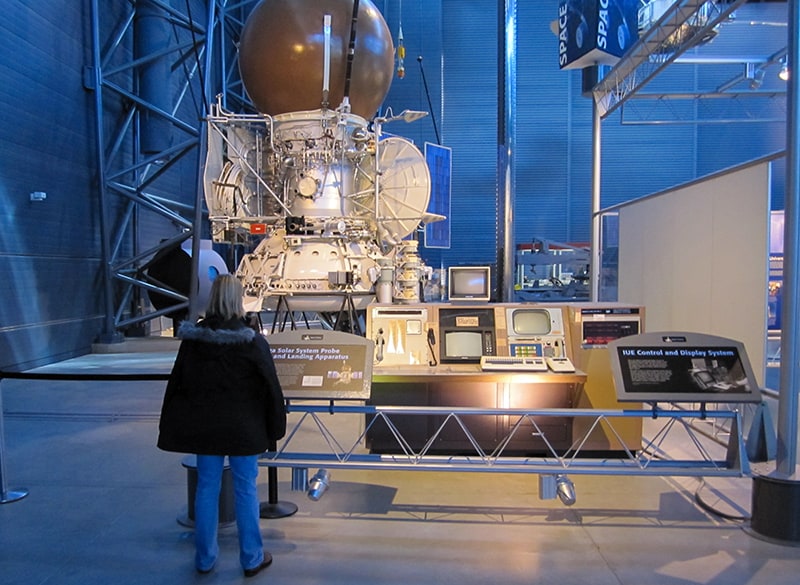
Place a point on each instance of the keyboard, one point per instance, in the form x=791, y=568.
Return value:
x=513, y=363
x=560, y=364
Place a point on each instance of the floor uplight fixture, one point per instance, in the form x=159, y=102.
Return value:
x=318, y=484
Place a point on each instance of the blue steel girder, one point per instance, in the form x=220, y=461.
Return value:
x=203, y=54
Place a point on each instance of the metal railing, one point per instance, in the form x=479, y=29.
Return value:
x=652, y=459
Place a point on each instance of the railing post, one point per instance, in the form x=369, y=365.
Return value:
x=6, y=496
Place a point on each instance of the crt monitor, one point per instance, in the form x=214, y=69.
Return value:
x=534, y=321
x=469, y=283
x=464, y=346
x=465, y=334
x=535, y=331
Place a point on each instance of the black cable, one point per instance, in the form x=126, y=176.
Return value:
x=351, y=51
x=431, y=342
x=428, y=96
x=89, y=377
x=711, y=509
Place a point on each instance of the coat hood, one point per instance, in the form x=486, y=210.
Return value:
x=216, y=332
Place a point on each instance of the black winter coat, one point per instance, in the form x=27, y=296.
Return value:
x=223, y=396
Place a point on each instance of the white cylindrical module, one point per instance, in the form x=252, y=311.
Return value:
x=407, y=272
x=385, y=284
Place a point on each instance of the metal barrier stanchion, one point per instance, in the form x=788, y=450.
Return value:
x=6, y=496
x=273, y=508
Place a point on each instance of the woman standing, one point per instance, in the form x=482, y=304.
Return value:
x=223, y=398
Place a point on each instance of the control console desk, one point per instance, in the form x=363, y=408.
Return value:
x=468, y=386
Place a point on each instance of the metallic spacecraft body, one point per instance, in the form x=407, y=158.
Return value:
x=325, y=198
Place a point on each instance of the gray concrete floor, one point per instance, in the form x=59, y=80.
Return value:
x=103, y=503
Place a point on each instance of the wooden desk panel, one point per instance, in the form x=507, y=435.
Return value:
x=467, y=386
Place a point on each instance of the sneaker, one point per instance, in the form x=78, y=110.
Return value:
x=264, y=564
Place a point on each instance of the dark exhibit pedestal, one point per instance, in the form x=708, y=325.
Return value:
x=227, y=503
x=227, y=507
x=775, y=514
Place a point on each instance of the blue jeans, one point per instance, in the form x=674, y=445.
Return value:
x=206, y=509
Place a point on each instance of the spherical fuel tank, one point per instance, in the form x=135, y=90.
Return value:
x=282, y=56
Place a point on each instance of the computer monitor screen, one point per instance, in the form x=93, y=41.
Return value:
x=466, y=334
x=530, y=321
x=703, y=378
x=463, y=345
x=469, y=283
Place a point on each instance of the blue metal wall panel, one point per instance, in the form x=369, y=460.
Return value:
x=50, y=251
x=50, y=308
x=470, y=58
x=548, y=156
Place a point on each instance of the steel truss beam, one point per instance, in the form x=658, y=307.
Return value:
x=203, y=63
x=652, y=459
x=682, y=26
x=701, y=108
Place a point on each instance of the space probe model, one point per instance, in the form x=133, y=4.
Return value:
x=328, y=201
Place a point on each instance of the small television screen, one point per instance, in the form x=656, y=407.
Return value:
x=463, y=345
x=530, y=322
x=469, y=283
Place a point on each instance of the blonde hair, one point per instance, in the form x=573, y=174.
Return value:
x=225, y=301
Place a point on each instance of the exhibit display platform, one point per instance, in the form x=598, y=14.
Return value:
x=86, y=453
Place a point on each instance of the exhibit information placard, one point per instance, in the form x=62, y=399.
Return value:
x=682, y=367
x=323, y=365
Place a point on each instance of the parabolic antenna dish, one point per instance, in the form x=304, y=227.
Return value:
x=404, y=190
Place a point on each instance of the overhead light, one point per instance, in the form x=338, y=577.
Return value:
x=753, y=74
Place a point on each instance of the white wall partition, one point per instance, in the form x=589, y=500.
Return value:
x=696, y=257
